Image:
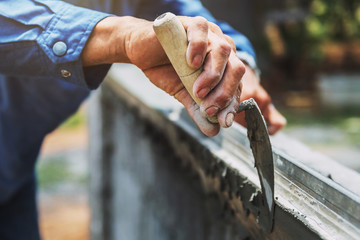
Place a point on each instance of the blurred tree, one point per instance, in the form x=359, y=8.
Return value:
x=310, y=36
x=334, y=19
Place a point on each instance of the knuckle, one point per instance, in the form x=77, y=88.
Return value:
x=239, y=70
x=199, y=43
x=225, y=48
x=201, y=23
x=224, y=98
x=230, y=41
x=215, y=29
x=264, y=95
x=214, y=76
x=264, y=98
x=267, y=100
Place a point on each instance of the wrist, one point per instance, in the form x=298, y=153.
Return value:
x=107, y=42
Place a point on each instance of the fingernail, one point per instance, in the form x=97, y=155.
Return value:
x=229, y=119
x=197, y=61
x=212, y=111
x=203, y=92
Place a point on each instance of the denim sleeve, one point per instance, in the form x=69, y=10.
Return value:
x=149, y=9
x=44, y=38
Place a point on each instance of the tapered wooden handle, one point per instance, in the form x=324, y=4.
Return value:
x=172, y=37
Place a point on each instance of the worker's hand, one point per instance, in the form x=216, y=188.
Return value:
x=253, y=89
x=128, y=39
x=219, y=84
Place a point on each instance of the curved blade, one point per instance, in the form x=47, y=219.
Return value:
x=261, y=148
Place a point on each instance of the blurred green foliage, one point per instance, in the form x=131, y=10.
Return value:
x=76, y=120
x=325, y=21
x=351, y=126
x=52, y=172
x=57, y=170
x=335, y=20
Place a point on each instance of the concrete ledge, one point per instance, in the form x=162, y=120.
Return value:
x=155, y=176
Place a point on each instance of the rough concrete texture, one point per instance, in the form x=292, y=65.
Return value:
x=155, y=181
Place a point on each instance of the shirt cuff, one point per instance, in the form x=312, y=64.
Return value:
x=94, y=75
x=63, y=41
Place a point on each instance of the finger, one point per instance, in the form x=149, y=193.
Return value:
x=231, y=42
x=262, y=98
x=214, y=67
x=274, y=118
x=166, y=78
x=217, y=30
x=226, y=117
x=209, y=129
x=197, y=34
x=221, y=96
x=240, y=118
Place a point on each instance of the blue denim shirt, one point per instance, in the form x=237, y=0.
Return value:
x=42, y=80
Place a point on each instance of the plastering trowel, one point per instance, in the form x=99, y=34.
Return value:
x=172, y=36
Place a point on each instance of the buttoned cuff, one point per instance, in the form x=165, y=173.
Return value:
x=94, y=75
x=63, y=41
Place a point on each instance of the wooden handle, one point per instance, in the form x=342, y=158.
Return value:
x=172, y=37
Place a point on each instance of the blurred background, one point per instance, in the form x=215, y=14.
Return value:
x=309, y=55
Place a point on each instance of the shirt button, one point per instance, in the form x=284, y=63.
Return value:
x=59, y=48
x=65, y=73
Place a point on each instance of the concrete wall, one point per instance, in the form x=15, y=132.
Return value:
x=149, y=193
x=155, y=176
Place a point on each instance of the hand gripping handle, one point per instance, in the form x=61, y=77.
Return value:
x=172, y=37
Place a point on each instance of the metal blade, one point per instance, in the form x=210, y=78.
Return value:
x=261, y=148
